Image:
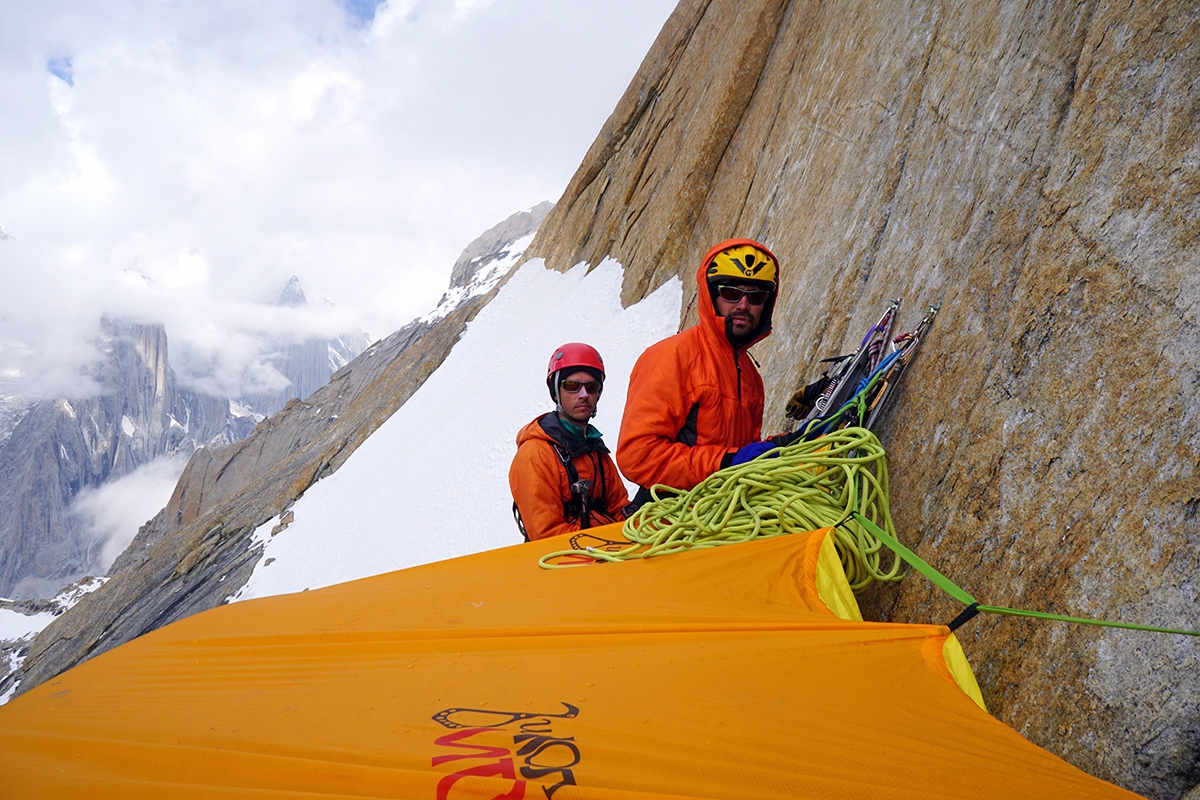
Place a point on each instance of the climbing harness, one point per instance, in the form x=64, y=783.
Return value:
x=580, y=506
x=799, y=487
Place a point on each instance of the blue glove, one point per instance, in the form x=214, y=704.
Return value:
x=751, y=452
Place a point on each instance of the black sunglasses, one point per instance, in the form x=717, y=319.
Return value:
x=732, y=294
x=593, y=387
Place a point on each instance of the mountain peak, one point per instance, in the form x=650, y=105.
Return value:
x=292, y=295
x=491, y=244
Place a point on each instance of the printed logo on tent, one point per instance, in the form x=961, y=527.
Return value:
x=585, y=542
x=512, y=746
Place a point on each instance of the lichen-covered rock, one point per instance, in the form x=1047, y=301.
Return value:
x=1034, y=168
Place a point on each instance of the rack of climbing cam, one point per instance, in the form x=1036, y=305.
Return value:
x=860, y=384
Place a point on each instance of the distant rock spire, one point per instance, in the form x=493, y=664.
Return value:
x=292, y=295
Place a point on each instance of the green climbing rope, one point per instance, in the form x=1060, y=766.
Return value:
x=952, y=589
x=803, y=486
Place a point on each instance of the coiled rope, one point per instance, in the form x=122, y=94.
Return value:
x=804, y=486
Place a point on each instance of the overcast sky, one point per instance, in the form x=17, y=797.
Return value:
x=179, y=161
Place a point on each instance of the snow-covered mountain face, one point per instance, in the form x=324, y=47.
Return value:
x=490, y=255
x=12, y=409
x=487, y=260
x=62, y=447
x=307, y=365
x=81, y=475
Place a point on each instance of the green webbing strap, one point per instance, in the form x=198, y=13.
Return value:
x=1020, y=612
x=939, y=580
x=948, y=586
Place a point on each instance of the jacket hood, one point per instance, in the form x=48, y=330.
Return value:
x=549, y=428
x=708, y=311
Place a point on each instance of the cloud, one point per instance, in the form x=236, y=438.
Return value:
x=111, y=514
x=463, y=9
x=215, y=149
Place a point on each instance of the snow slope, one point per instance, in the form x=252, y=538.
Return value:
x=432, y=482
x=481, y=282
x=15, y=625
x=17, y=629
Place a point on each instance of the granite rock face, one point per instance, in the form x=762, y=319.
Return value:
x=1034, y=168
x=62, y=446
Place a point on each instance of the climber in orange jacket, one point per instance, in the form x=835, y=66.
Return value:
x=695, y=402
x=562, y=478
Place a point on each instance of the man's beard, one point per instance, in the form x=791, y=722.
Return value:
x=734, y=339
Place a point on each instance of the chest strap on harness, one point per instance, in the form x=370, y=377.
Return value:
x=580, y=490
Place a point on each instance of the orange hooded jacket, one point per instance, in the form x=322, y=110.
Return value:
x=542, y=491
x=693, y=397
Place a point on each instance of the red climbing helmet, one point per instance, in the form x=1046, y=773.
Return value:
x=576, y=354
x=573, y=355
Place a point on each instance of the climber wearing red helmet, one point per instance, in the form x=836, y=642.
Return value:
x=695, y=401
x=562, y=478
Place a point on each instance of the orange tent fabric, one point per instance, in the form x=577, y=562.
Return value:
x=717, y=673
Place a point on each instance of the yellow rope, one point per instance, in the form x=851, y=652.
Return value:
x=807, y=485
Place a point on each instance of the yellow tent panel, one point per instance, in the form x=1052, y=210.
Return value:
x=719, y=673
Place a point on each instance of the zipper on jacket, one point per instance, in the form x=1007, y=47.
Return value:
x=737, y=362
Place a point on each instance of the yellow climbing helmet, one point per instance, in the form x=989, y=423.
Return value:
x=742, y=260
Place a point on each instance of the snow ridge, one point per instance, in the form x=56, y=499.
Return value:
x=481, y=282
